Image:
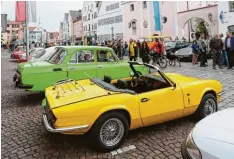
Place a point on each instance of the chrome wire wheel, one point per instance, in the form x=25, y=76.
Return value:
x=112, y=132
x=210, y=106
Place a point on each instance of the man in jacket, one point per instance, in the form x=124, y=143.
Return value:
x=202, y=48
x=229, y=46
x=132, y=50
x=110, y=45
x=216, y=46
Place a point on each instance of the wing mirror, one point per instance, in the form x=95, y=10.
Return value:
x=174, y=86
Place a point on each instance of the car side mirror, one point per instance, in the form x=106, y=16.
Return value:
x=174, y=86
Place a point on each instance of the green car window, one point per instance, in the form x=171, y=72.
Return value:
x=82, y=56
x=105, y=56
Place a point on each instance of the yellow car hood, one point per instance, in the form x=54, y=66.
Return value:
x=181, y=79
x=65, y=94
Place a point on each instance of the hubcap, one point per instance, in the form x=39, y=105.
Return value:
x=111, y=132
x=210, y=107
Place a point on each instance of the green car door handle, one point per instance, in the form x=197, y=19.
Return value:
x=57, y=69
x=99, y=66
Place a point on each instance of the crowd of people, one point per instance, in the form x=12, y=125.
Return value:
x=221, y=48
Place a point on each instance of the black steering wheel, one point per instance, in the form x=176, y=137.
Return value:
x=136, y=79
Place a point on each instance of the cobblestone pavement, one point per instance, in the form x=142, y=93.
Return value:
x=24, y=136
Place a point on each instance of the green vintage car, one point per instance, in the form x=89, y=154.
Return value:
x=73, y=62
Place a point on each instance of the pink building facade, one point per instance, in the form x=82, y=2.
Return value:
x=14, y=30
x=78, y=29
x=175, y=18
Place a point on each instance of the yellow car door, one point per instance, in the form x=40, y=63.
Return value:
x=161, y=105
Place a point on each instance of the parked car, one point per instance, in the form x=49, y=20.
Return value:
x=17, y=52
x=186, y=54
x=34, y=55
x=107, y=109
x=175, y=45
x=76, y=62
x=211, y=138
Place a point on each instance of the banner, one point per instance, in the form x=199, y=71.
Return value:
x=32, y=11
x=157, y=17
x=20, y=11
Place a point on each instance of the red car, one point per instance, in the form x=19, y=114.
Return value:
x=17, y=52
x=23, y=58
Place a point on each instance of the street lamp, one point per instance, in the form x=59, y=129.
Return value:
x=112, y=34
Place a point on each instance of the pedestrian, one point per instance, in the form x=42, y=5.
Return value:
x=229, y=46
x=138, y=47
x=216, y=46
x=224, y=58
x=202, y=49
x=110, y=45
x=120, y=48
x=126, y=48
x=144, y=52
x=156, y=47
x=195, y=50
x=132, y=50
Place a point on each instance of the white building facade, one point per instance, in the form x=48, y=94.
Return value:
x=65, y=28
x=226, y=16
x=89, y=13
x=110, y=21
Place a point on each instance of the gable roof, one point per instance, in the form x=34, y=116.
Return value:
x=75, y=14
x=66, y=16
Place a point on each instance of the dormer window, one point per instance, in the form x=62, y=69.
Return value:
x=134, y=25
x=132, y=7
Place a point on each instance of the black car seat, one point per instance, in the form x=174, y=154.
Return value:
x=107, y=79
x=121, y=84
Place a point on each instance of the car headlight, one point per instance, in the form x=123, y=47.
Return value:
x=191, y=147
x=190, y=53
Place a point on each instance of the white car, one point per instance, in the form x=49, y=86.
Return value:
x=211, y=138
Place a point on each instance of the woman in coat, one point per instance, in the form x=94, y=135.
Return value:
x=144, y=52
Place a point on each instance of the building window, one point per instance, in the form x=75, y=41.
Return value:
x=95, y=14
x=132, y=7
x=84, y=28
x=231, y=6
x=92, y=16
x=85, y=9
x=8, y=25
x=89, y=27
x=144, y=4
x=92, y=26
x=91, y=6
x=88, y=16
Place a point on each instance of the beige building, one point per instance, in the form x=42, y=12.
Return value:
x=73, y=16
x=14, y=30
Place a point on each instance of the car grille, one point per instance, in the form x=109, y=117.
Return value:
x=50, y=116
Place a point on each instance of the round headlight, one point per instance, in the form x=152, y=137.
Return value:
x=191, y=147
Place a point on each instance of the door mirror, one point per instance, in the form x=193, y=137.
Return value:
x=174, y=86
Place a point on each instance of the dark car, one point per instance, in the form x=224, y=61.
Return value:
x=175, y=45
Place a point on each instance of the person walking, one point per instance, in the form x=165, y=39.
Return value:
x=132, y=50
x=125, y=48
x=202, y=49
x=110, y=45
x=216, y=46
x=144, y=52
x=120, y=48
x=229, y=46
x=224, y=58
x=195, y=50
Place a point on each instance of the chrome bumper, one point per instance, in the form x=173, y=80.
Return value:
x=220, y=93
x=61, y=130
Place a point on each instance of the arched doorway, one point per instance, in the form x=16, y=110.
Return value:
x=194, y=25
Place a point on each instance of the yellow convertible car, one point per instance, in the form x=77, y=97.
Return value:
x=107, y=109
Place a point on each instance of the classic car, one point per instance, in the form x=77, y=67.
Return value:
x=107, y=109
x=17, y=52
x=76, y=62
x=211, y=138
x=186, y=53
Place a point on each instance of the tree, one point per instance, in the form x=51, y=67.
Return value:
x=201, y=28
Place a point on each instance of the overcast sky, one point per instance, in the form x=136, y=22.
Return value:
x=49, y=12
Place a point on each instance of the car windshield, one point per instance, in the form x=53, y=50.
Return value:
x=57, y=56
x=170, y=44
x=39, y=53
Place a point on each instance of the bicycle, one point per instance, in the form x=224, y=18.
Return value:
x=173, y=59
x=158, y=59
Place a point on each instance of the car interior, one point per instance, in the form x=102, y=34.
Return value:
x=139, y=84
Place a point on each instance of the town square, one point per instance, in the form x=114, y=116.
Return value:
x=113, y=79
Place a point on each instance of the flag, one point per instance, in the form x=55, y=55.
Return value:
x=20, y=11
x=32, y=11
x=157, y=17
